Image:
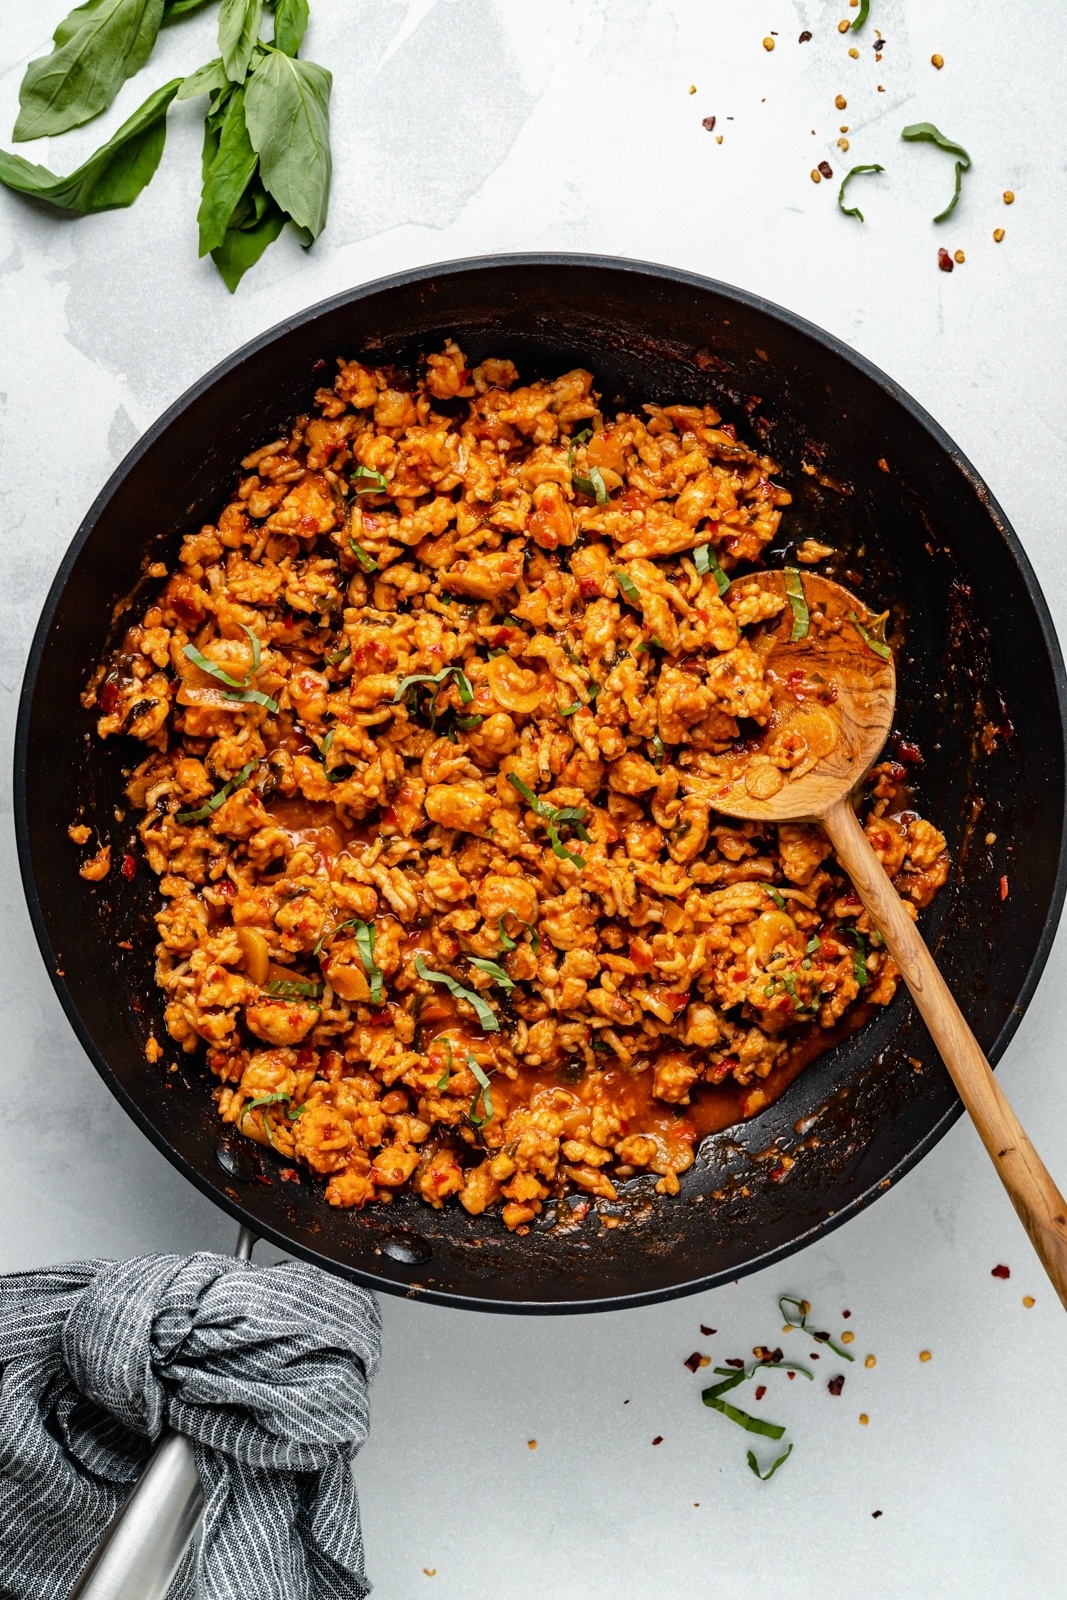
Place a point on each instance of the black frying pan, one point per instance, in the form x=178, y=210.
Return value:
x=980, y=655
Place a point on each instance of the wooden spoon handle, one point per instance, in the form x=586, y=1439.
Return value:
x=1034, y=1195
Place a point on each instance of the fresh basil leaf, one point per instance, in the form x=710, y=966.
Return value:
x=208, y=79
x=113, y=176
x=794, y=589
x=97, y=47
x=753, y=1463
x=288, y=115
x=486, y=1014
x=853, y=211
x=927, y=132
x=290, y=25
x=254, y=226
x=494, y=971
x=239, y=22
x=173, y=10
x=228, y=176
x=216, y=800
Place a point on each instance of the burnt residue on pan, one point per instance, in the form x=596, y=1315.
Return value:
x=874, y=479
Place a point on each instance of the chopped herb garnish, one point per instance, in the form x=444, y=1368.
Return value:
x=486, y=1015
x=813, y=944
x=798, y=1318
x=926, y=131
x=594, y=486
x=442, y=1082
x=492, y=970
x=753, y=1463
x=776, y=897
x=242, y=692
x=864, y=13
x=268, y=1100
x=381, y=485
x=794, y=588
x=366, y=934
x=466, y=693
x=508, y=943
x=859, y=959
x=217, y=799
x=467, y=723
x=705, y=561
x=628, y=587
x=553, y=817
x=366, y=561
x=342, y=654
x=659, y=753
x=854, y=211
x=870, y=638
x=568, y=711
x=483, y=1095
x=582, y=436
x=293, y=989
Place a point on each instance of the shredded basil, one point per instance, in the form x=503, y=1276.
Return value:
x=659, y=752
x=340, y=655
x=366, y=561
x=442, y=1082
x=864, y=13
x=753, y=1463
x=467, y=723
x=931, y=135
x=553, y=817
x=628, y=587
x=854, y=211
x=217, y=799
x=268, y=1100
x=483, y=1095
x=582, y=436
x=492, y=970
x=246, y=695
x=366, y=934
x=798, y=1318
x=568, y=711
x=293, y=989
x=594, y=486
x=794, y=588
x=776, y=897
x=381, y=485
x=705, y=561
x=466, y=693
x=508, y=943
x=485, y=1013
x=871, y=640
x=859, y=959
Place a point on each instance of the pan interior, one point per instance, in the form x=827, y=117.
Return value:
x=980, y=696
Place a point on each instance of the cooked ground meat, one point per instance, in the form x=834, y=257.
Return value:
x=428, y=711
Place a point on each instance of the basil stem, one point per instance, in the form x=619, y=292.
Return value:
x=794, y=588
x=854, y=211
x=927, y=132
x=486, y=1015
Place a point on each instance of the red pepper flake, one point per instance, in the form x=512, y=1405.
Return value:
x=835, y=1385
x=289, y=1175
x=908, y=752
x=876, y=1513
x=128, y=868
x=709, y=123
x=693, y=1361
x=707, y=1332
x=944, y=260
x=124, y=944
x=1001, y=1271
x=776, y=1174
x=826, y=169
x=790, y=1376
x=846, y=1313
x=814, y=1355
x=1004, y=887
x=804, y=37
x=732, y=1361
x=658, y=1439
x=761, y=1391
x=318, y=365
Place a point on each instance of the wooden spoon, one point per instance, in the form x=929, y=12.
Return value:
x=833, y=698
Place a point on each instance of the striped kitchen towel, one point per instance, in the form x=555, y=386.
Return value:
x=266, y=1368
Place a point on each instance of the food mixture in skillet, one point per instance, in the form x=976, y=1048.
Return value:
x=431, y=716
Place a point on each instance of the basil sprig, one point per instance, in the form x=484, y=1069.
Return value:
x=217, y=799
x=794, y=589
x=854, y=211
x=926, y=132
x=485, y=1013
x=553, y=817
x=705, y=561
x=113, y=176
x=266, y=157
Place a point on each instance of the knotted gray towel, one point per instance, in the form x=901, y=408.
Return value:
x=265, y=1367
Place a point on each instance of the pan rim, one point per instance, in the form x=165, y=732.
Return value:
x=406, y=1287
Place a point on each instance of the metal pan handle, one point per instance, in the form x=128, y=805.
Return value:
x=145, y=1542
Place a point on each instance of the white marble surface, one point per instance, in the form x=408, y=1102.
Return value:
x=465, y=126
